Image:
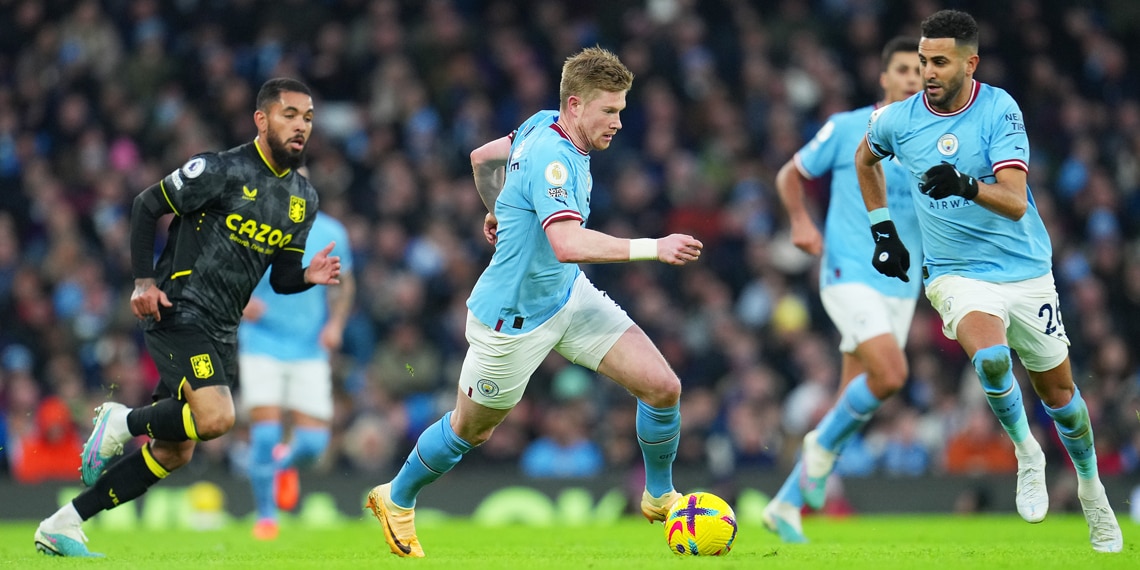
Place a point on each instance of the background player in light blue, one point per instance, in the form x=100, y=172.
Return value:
x=988, y=260
x=284, y=356
x=533, y=298
x=872, y=312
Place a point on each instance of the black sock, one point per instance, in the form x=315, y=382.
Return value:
x=168, y=420
x=125, y=480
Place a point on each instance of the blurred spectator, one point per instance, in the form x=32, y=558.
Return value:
x=980, y=447
x=51, y=451
x=98, y=99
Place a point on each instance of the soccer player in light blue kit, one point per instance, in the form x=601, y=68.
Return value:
x=533, y=298
x=988, y=261
x=872, y=312
x=284, y=343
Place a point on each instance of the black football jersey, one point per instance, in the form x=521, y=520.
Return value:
x=233, y=216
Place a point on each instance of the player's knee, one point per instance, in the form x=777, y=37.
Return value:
x=213, y=424
x=663, y=393
x=172, y=456
x=884, y=383
x=993, y=364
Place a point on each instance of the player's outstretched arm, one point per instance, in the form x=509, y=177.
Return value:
x=872, y=183
x=146, y=209
x=488, y=165
x=891, y=257
x=790, y=186
x=574, y=244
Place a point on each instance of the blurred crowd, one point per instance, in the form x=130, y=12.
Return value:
x=100, y=99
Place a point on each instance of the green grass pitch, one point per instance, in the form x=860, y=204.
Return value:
x=866, y=542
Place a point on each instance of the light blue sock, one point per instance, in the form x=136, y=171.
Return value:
x=658, y=433
x=262, y=437
x=307, y=446
x=790, y=491
x=437, y=451
x=854, y=409
x=1073, y=424
x=995, y=370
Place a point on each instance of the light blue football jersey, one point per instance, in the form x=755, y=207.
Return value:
x=848, y=245
x=548, y=180
x=291, y=325
x=960, y=237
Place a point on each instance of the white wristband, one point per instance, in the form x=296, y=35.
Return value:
x=642, y=248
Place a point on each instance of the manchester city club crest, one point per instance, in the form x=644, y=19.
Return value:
x=488, y=388
x=947, y=144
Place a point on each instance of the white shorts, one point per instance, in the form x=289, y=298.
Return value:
x=498, y=365
x=301, y=385
x=862, y=313
x=1030, y=310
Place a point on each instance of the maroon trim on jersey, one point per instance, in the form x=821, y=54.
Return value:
x=977, y=88
x=561, y=215
x=1011, y=163
x=498, y=327
x=562, y=133
x=511, y=135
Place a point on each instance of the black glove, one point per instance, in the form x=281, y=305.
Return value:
x=943, y=180
x=891, y=257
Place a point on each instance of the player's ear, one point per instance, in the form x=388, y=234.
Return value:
x=972, y=63
x=261, y=120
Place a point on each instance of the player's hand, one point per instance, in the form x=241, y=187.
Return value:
x=807, y=237
x=332, y=336
x=943, y=180
x=491, y=228
x=891, y=257
x=678, y=249
x=324, y=270
x=253, y=309
x=146, y=298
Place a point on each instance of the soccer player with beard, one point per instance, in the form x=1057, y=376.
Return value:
x=987, y=262
x=237, y=213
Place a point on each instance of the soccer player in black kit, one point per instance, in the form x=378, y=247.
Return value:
x=237, y=213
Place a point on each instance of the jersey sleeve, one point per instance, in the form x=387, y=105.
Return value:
x=880, y=131
x=817, y=157
x=555, y=194
x=195, y=184
x=1009, y=143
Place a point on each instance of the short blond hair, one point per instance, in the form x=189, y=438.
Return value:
x=592, y=69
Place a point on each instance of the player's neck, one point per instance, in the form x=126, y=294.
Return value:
x=573, y=134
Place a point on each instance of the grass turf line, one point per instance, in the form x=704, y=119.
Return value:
x=858, y=543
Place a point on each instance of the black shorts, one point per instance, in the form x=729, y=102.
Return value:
x=185, y=353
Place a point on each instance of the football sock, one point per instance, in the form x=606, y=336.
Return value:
x=437, y=451
x=854, y=409
x=1075, y=429
x=306, y=448
x=65, y=516
x=123, y=481
x=167, y=419
x=790, y=491
x=995, y=370
x=262, y=437
x=658, y=433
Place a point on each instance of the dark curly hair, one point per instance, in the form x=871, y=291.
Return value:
x=952, y=24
